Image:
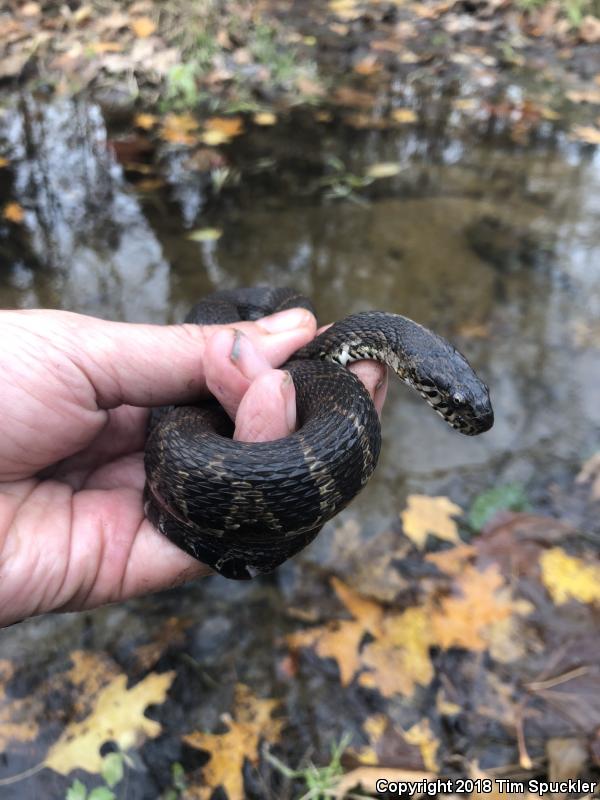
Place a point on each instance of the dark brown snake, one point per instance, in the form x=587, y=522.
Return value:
x=244, y=508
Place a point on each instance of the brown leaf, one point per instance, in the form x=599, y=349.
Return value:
x=219, y=130
x=404, y=115
x=180, y=129
x=566, y=757
x=367, y=779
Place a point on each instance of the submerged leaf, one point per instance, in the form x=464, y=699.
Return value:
x=426, y=515
x=510, y=497
x=117, y=715
x=569, y=578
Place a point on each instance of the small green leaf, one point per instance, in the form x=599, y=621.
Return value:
x=102, y=793
x=178, y=776
x=205, y=235
x=112, y=769
x=76, y=791
x=510, y=497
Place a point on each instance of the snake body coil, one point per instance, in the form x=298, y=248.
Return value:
x=244, y=508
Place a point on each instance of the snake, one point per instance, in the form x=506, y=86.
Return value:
x=243, y=508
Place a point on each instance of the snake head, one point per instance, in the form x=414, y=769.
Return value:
x=449, y=384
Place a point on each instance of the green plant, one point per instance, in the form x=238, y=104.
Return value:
x=178, y=783
x=509, y=497
x=320, y=782
x=113, y=769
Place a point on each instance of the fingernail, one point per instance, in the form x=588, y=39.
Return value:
x=286, y=320
x=289, y=399
x=246, y=358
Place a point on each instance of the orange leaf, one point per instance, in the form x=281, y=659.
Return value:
x=13, y=212
x=143, y=27
x=252, y=721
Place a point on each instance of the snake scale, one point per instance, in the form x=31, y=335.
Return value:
x=244, y=508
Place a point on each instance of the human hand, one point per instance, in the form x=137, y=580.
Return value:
x=74, y=402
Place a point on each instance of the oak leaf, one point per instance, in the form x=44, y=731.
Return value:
x=117, y=715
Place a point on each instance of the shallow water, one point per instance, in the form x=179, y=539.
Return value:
x=494, y=245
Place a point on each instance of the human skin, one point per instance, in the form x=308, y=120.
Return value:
x=75, y=394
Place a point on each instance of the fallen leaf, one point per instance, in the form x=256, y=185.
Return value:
x=106, y=47
x=117, y=715
x=251, y=721
x=205, y=235
x=569, y=578
x=480, y=600
x=367, y=66
x=264, y=118
x=17, y=722
x=384, y=169
x=219, y=130
x=4, y=162
x=13, y=212
x=426, y=515
x=567, y=757
x=180, y=129
x=145, y=121
x=143, y=27
x=403, y=115
x=30, y=9
x=422, y=736
x=590, y=473
x=586, y=133
x=398, y=660
x=589, y=95
x=589, y=29
x=367, y=779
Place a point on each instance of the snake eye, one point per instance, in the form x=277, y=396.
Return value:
x=458, y=399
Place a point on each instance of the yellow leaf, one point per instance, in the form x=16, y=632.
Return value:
x=252, y=721
x=404, y=115
x=569, y=578
x=219, y=130
x=143, y=27
x=264, y=118
x=385, y=169
x=106, y=47
x=205, y=235
x=399, y=659
x=145, y=121
x=180, y=129
x=586, y=133
x=13, y=212
x=422, y=737
x=4, y=162
x=425, y=515
x=117, y=715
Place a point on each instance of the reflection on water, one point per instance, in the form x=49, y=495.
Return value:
x=496, y=248
x=493, y=247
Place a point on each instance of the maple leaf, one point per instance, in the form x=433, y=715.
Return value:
x=252, y=721
x=467, y=620
x=117, y=715
x=569, y=578
x=425, y=515
x=399, y=660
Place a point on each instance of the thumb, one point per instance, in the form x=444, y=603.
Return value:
x=152, y=365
